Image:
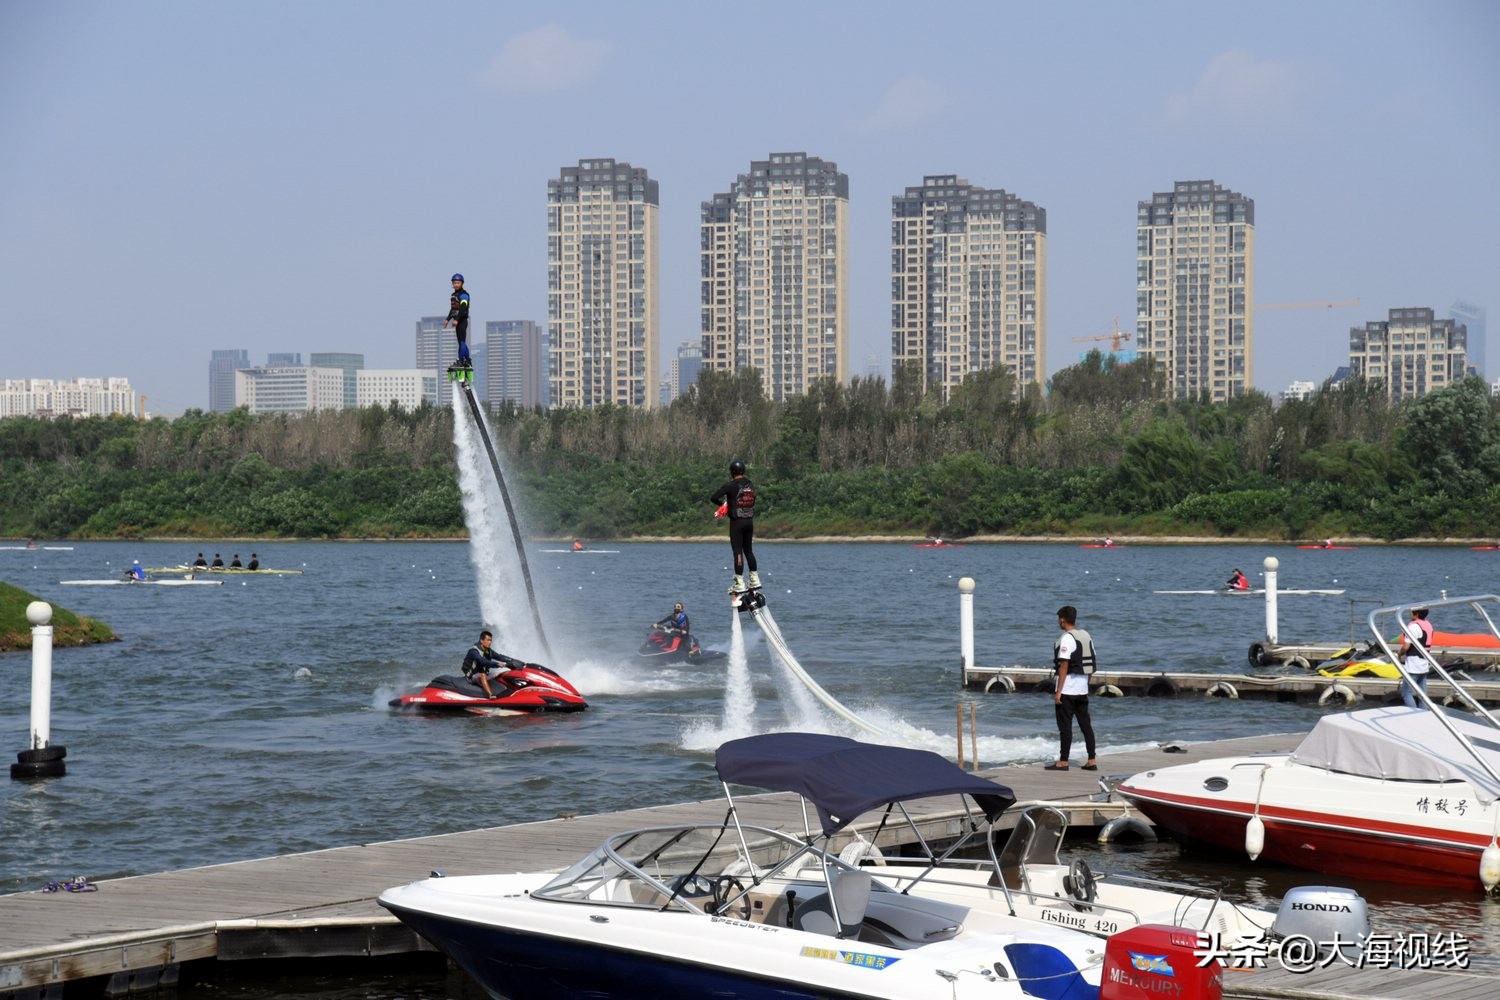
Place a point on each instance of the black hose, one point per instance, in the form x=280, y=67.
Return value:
x=510, y=513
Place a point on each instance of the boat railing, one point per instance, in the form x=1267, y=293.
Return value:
x=1477, y=603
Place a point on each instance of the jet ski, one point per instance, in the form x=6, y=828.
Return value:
x=532, y=688
x=674, y=646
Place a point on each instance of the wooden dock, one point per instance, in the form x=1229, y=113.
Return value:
x=1307, y=686
x=133, y=934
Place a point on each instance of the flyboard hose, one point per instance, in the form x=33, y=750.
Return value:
x=510, y=513
x=772, y=631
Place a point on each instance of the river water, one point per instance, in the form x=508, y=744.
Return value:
x=250, y=719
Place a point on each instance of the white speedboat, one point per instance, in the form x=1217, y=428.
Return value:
x=1024, y=879
x=1392, y=794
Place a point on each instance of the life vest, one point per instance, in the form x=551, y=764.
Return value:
x=1083, y=652
x=1416, y=645
x=742, y=502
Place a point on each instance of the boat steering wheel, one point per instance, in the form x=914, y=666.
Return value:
x=726, y=887
x=1081, y=884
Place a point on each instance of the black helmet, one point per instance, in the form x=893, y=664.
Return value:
x=737, y=468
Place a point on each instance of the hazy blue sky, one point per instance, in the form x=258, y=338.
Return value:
x=178, y=177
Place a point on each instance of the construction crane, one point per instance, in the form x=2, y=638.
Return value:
x=1115, y=339
x=1348, y=304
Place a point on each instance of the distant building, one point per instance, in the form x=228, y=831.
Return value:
x=1411, y=352
x=1495, y=387
x=682, y=373
x=437, y=348
x=516, y=362
x=874, y=367
x=78, y=397
x=1472, y=317
x=350, y=364
x=408, y=388
x=289, y=389
x=286, y=359
x=601, y=285
x=775, y=274
x=1194, y=277
x=221, y=368
x=968, y=283
x=1299, y=389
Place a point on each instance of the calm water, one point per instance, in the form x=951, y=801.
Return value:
x=250, y=719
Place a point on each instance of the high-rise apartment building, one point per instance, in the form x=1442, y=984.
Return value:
x=775, y=274
x=1472, y=317
x=1411, y=352
x=601, y=285
x=516, y=362
x=968, y=283
x=74, y=397
x=284, y=359
x=350, y=364
x=221, y=368
x=682, y=374
x=437, y=348
x=1194, y=279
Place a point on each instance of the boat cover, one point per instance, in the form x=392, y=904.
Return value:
x=1404, y=744
x=844, y=778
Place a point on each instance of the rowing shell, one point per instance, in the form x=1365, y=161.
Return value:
x=586, y=552
x=142, y=583
x=1225, y=590
x=221, y=569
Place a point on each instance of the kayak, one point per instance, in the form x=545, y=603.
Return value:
x=141, y=583
x=1232, y=591
x=1326, y=547
x=585, y=552
x=935, y=545
x=1098, y=545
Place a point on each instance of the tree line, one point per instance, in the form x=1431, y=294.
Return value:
x=1099, y=453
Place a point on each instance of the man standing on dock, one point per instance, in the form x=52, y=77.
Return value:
x=1073, y=656
x=1418, y=637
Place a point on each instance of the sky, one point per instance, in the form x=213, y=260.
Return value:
x=180, y=177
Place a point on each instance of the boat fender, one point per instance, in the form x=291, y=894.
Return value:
x=1299, y=663
x=1345, y=695
x=1258, y=656
x=1255, y=837
x=1222, y=689
x=1161, y=687
x=1489, y=867
x=1130, y=829
x=1000, y=680
x=1109, y=691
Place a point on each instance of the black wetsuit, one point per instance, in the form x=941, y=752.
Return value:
x=739, y=493
x=458, y=314
x=254, y=563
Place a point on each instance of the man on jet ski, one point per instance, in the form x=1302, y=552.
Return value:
x=674, y=624
x=481, y=659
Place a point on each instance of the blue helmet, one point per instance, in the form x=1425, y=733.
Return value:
x=457, y=277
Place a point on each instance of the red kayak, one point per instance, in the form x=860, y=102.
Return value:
x=1485, y=548
x=532, y=688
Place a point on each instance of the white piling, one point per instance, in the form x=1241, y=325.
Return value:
x=1271, y=631
x=40, y=759
x=966, y=625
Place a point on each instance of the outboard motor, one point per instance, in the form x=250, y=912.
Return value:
x=1153, y=961
x=1324, y=914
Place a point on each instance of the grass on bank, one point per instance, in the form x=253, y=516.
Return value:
x=68, y=629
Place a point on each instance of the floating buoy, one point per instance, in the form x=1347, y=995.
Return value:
x=1345, y=695
x=1489, y=867
x=1127, y=828
x=1255, y=837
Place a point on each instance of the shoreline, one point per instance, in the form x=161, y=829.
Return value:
x=1122, y=541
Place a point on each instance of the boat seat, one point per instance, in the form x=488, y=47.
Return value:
x=850, y=889
x=889, y=918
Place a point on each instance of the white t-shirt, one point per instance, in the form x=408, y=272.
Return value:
x=1077, y=682
x=1415, y=662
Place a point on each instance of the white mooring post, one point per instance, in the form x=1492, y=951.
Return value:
x=40, y=759
x=966, y=626
x=1271, y=563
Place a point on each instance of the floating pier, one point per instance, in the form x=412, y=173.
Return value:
x=133, y=935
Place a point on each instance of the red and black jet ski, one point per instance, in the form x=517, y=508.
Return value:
x=676, y=646
x=532, y=688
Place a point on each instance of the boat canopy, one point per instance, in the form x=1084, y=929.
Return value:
x=1404, y=744
x=844, y=778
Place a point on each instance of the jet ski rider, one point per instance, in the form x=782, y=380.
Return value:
x=675, y=625
x=481, y=659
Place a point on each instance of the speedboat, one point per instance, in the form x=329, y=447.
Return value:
x=1023, y=879
x=532, y=688
x=1393, y=794
x=675, y=646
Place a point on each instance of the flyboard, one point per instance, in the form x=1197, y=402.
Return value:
x=465, y=379
x=753, y=603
